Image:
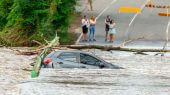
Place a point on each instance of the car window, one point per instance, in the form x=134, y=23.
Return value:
x=69, y=56
x=89, y=60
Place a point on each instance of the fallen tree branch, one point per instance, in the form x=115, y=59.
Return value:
x=80, y=47
x=47, y=42
x=37, y=42
x=160, y=53
x=41, y=56
x=26, y=52
x=141, y=53
x=108, y=48
x=35, y=51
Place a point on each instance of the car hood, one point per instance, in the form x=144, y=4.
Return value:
x=112, y=66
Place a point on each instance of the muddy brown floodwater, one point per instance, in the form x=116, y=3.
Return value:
x=143, y=75
x=13, y=69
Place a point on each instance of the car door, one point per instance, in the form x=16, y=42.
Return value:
x=89, y=61
x=68, y=60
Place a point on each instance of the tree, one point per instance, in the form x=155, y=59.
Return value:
x=4, y=11
x=28, y=20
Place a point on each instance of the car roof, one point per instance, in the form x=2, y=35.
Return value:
x=75, y=51
x=78, y=51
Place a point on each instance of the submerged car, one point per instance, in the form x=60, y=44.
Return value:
x=75, y=59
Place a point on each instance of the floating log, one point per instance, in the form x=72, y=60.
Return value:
x=105, y=48
x=108, y=48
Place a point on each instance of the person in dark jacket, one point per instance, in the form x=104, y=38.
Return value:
x=107, y=23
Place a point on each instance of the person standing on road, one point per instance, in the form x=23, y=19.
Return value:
x=92, y=28
x=85, y=25
x=90, y=2
x=112, y=31
x=107, y=22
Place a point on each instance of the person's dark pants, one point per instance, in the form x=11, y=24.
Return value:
x=107, y=31
x=85, y=31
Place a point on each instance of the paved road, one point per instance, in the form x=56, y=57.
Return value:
x=147, y=24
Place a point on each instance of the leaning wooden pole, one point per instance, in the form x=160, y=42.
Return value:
x=40, y=57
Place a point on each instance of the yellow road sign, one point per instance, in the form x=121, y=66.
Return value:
x=129, y=10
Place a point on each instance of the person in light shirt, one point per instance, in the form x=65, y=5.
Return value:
x=85, y=25
x=112, y=31
x=92, y=29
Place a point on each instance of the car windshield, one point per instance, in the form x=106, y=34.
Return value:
x=69, y=56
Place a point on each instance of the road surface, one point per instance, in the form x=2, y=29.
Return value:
x=131, y=26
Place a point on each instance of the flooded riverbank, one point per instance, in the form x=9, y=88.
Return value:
x=143, y=75
x=13, y=69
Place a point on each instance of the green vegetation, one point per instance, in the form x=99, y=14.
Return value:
x=22, y=21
